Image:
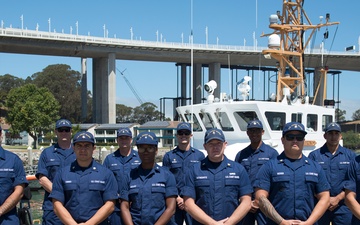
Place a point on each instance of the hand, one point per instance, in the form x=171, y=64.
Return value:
x=180, y=203
x=254, y=207
x=222, y=221
x=291, y=222
x=334, y=203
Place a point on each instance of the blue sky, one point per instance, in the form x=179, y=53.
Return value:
x=229, y=22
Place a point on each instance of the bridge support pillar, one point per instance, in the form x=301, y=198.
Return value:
x=183, y=79
x=214, y=74
x=83, y=90
x=197, y=90
x=104, y=105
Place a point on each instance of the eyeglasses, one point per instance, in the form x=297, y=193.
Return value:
x=291, y=137
x=67, y=130
x=183, y=132
x=148, y=149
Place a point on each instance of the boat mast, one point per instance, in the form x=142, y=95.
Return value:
x=290, y=26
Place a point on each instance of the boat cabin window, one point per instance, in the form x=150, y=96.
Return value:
x=326, y=119
x=207, y=120
x=242, y=118
x=312, y=122
x=224, y=121
x=276, y=120
x=196, y=125
x=296, y=117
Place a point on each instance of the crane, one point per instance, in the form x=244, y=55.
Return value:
x=131, y=87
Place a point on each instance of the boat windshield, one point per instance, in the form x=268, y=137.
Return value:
x=242, y=118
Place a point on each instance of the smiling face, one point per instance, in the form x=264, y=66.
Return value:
x=255, y=134
x=63, y=134
x=183, y=137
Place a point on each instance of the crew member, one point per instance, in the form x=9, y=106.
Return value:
x=85, y=191
x=178, y=161
x=217, y=190
x=335, y=160
x=252, y=158
x=51, y=160
x=286, y=186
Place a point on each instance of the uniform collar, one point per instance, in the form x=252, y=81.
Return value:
x=324, y=150
x=225, y=163
x=117, y=153
x=178, y=149
x=93, y=166
x=283, y=159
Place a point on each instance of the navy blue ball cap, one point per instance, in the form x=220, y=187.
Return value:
x=294, y=126
x=214, y=134
x=83, y=136
x=146, y=138
x=184, y=126
x=63, y=123
x=255, y=124
x=333, y=127
x=124, y=131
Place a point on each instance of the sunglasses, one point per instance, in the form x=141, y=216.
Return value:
x=291, y=137
x=67, y=130
x=185, y=132
x=148, y=149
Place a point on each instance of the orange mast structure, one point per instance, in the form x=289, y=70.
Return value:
x=290, y=26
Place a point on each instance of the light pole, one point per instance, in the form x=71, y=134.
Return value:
x=131, y=33
x=22, y=21
x=49, y=24
x=37, y=26
x=217, y=41
x=2, y=23
x=182, y=38
x=104, y=31
x=77, y=27
x=157, y=36
x=70, y=29
x=206, y=35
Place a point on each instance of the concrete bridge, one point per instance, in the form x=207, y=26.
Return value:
x=105, y=51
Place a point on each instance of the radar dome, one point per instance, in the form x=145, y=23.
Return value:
x=274, y=41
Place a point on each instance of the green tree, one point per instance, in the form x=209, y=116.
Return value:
x=31, y=109
x=65, y=85
x=146, y=112
x=340, y=115
x=356, y=115
x=8, y=82
x=123, y=113
x=351, y=140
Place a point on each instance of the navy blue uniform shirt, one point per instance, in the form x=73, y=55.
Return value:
x=146, y=192
x=84, y=192
x=217, y=191
x=179, y=161
x=292, y=186
x=51, y=160
x=253, y=160
x=11, y=174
